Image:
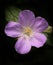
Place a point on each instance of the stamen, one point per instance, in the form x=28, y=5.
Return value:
x=27, y=31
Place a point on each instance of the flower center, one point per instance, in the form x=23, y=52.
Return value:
x=27, y=31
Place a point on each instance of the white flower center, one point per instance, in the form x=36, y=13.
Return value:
x=27, y=31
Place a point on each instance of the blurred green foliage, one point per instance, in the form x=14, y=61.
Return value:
x=48, y=33
x=11, y=13
x=50, y=39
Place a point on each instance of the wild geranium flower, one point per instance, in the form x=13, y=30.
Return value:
x=28, y=30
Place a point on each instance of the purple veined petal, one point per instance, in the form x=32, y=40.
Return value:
x=13, y=29
x=26, y=18
x=40, y=24
x=22, y=46
x=38, y=40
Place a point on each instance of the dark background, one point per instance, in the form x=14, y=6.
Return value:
x=8, y=55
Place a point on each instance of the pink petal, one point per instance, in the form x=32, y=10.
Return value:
x=26, y=18
x=38, y=40
x=22, y=46
x=13, y=29
x=40, y=24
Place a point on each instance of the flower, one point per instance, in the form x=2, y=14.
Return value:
x=28, y=30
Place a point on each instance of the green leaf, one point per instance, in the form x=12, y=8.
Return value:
x=48, y=33
x=49, y=39
x=11, y=13
x=49, y=29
